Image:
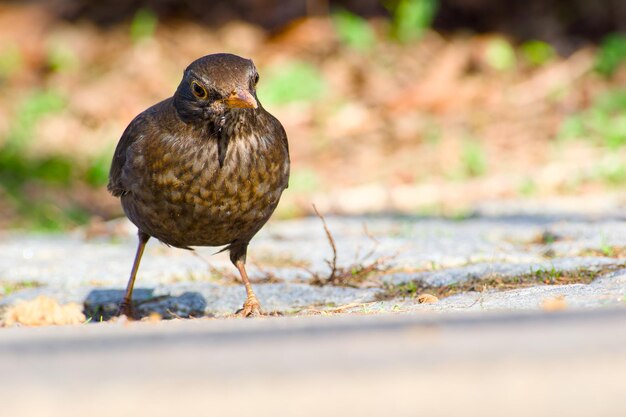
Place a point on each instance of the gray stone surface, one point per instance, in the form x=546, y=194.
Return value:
x=434, y=250
x=608, y=291
x=489, y=353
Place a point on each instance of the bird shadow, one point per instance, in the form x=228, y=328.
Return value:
x=103, y=304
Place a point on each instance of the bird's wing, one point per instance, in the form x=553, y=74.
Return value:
x=281, y=135
x=285, y=142
x=132, y=133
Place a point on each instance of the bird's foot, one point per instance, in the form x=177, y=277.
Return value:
x=251, y=308
x=126, y=309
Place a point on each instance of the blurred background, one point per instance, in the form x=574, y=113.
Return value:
x=431, y=107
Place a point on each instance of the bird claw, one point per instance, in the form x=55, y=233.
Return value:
x=125, y=309
x=251, y=308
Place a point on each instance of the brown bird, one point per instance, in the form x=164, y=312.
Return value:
x=205, y=167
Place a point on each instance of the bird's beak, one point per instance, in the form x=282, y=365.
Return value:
x=241, y=99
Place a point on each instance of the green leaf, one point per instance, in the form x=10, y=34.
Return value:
x=474, y=159
x=292, y=82
x=97, y=173
x=500, y=55
x=611, y=55
x=143, y=25
x=11, y=60
x=353, y=31
x=411, y=18
x=537, y=53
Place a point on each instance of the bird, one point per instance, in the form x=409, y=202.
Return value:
x=205, y=167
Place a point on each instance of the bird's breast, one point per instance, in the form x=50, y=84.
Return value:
x=184, y=197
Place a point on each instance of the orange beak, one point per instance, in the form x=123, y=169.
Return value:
x=241, y=99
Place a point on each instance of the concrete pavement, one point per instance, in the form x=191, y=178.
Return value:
x=487, y=364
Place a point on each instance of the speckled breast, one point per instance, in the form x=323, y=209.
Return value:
x=180, y=194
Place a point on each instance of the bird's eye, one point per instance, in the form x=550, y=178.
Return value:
x=198, y=90
x=256, y=78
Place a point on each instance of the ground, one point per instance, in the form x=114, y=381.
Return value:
x=384, y=264
x=521, y=313
x=540, y=364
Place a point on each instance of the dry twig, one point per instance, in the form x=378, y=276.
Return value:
x=332, y=264
x=353, y=275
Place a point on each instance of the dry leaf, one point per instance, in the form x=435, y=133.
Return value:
x=557, y=303
x=43, y=311
x=427, y=298
x=153, y=317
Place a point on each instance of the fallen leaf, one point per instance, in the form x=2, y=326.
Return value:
x=427, y=298
x=43, y=311
x=153, y=317
x=557, y=303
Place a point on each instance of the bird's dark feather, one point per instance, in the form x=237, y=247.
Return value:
x=187, y=183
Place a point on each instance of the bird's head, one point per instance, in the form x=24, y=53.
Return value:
x=214, y=86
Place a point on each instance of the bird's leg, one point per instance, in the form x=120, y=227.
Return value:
x=251, y=307
x=126, y=306
x=238, y=250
